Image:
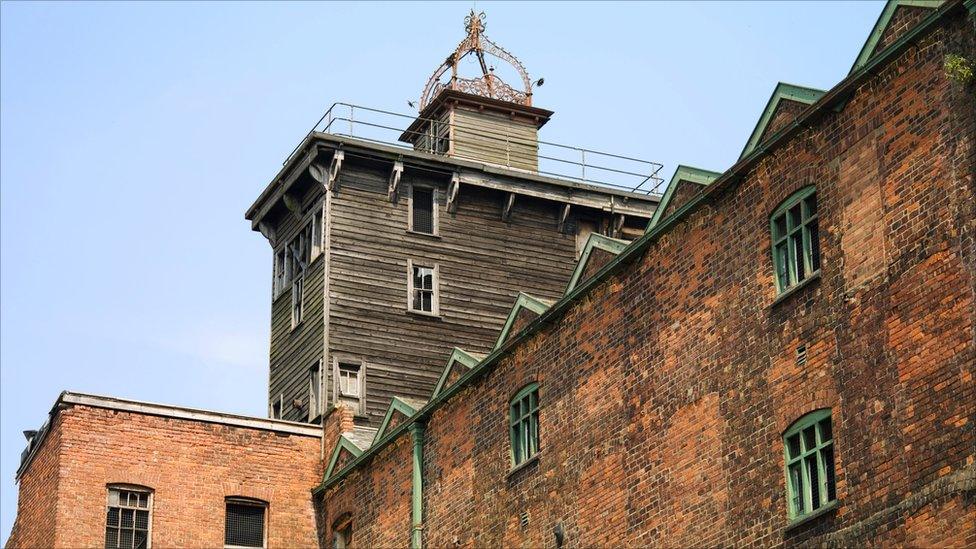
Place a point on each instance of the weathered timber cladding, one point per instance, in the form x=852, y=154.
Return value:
x=293, y=352
x=495, y=138
x=482, y=264
x=665, y=390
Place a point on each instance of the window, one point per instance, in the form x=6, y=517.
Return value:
x=244, y=523
x=277, y=406
x=422, y=210
x=796, y=239
x=342, y=533
x=350, y=384
x=128, y=517
x=809, y=450
x=297, y=300
x=293, y=259
x=523, y=415
x=422, y=288
x=315, y=403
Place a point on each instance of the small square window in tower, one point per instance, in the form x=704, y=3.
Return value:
x=422, y=210
x=350, y=385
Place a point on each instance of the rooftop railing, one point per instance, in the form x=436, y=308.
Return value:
x=553, y=159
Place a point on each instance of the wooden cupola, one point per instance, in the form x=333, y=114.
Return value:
x=479, y=118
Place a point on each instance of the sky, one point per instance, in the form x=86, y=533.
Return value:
x=133, y=136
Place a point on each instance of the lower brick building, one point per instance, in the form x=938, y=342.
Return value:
x=785, y=357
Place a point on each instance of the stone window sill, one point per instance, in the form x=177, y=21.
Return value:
x=814, y=277
x=814, y=515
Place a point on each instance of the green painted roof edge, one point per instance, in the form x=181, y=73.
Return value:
x=395, y=405
x=595, y=240
x=523, y=300
x=342, y=444
x=837, y=94
x=682, y=173
x=783, y=90
x=884, y=19
x=457, y=355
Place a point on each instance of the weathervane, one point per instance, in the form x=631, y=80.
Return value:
x=488, y=84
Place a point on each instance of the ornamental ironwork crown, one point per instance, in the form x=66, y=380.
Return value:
x=488, y=84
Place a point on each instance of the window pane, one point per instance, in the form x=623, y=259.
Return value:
x=793, y=444
x=113, y=516
x=796, y=484
x=128, y=518
x=811, y=205
x=797, y=242
x=111, y=538
x=826, y=432
x=828, y=458
x=516, y=444
x=794, y=217
x=423, y=210
x=125, y=539
x=782, y=265
x=140, y=541
x=813, y=473
x=142, y=520
x=813, y=232
x=534, y=434
x=244, y=525
x=809, y=439
x=779, y=227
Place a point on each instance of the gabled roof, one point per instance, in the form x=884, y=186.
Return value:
x=781, y=92
x=599, y=242
x=683, y=173
x=523, y=301
x=458, y=356
x=874, y=37
x=355, y=442
x=404, y=405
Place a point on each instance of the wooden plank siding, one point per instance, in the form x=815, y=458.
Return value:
x=495, y=138
x=483, y=262
x=293, y=352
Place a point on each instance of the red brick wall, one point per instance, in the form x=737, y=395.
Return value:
x=666, y=389
x=685, y=191
x=191, y=466
x=35, y=524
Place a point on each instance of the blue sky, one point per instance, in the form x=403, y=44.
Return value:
x=134, y=135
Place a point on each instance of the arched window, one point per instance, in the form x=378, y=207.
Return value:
x=244, y=522
x=796, y=239
x=523, y=419
x=809, y=451
x=342, y=532
x=129, y=516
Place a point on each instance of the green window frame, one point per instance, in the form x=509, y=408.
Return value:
x=523, y=421
x=795, y=231
x=808, y=448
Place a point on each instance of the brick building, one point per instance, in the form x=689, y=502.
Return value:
x=786, y=356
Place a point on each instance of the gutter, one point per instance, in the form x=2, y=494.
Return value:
x=838, y=94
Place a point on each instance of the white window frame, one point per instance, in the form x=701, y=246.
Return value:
x=130, y=488
x=435, y=298
x=297, y=301
x=435, y=221
x=284, y=263
x=337, y=395
x=281, y=407
x=238, y=500
x=315, y=404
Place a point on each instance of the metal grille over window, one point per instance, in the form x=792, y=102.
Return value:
x=796, y=239
x=423, y=210
x=810, y=478
x=524, y=424
x=128, y=519
x=423, y=289
x=244, y=524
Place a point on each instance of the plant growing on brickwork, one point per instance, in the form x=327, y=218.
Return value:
x=958, y=69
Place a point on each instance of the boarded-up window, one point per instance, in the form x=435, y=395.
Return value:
x=422, y=210
x=244, y=523
x=127, y=524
